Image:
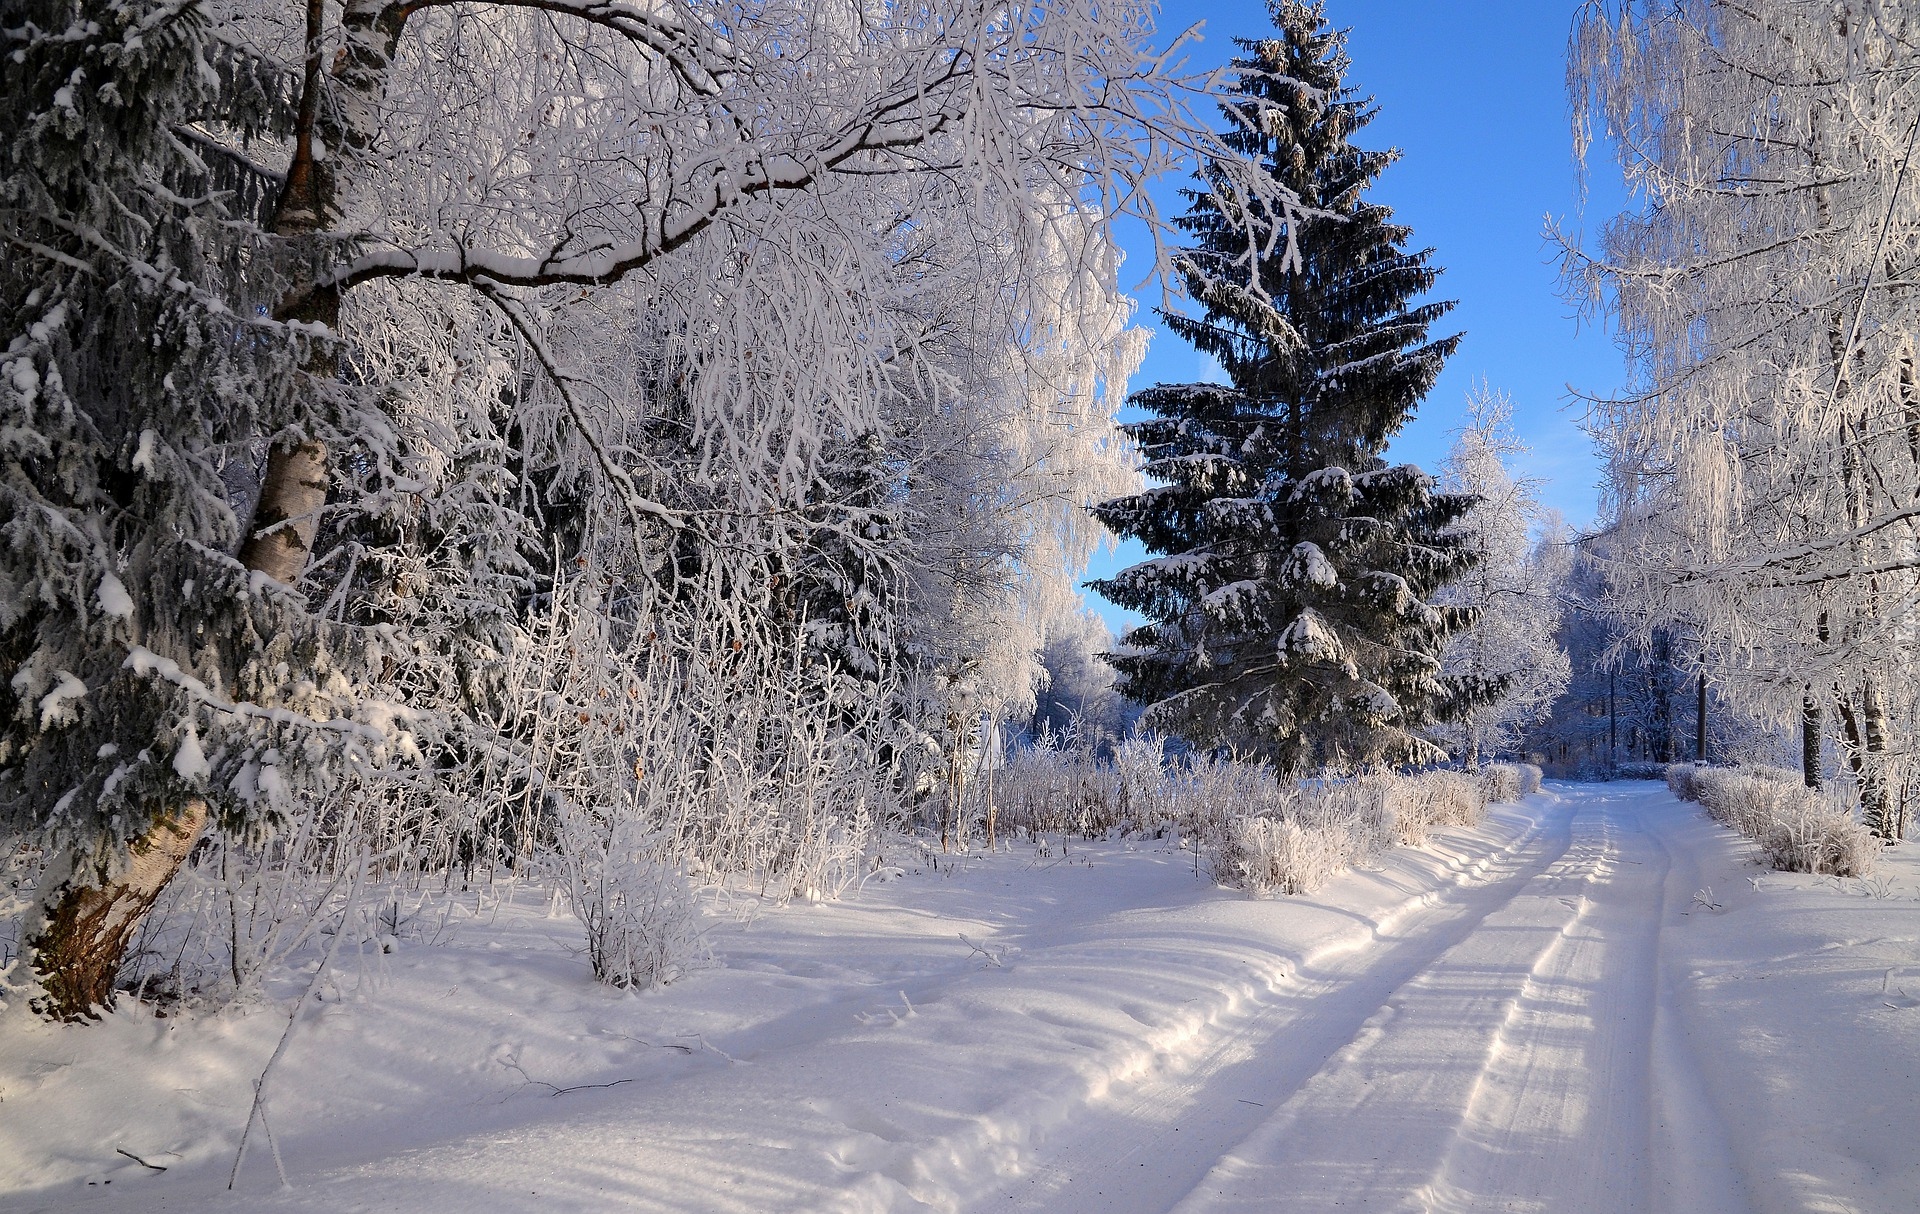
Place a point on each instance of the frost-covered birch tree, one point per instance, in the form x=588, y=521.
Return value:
x=1764, y=463
x=1509, y=651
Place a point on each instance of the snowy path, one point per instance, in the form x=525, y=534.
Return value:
x=1537, y=1014
x=1505, y=1049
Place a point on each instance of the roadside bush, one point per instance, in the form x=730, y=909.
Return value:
x=1434, y=798
x=1679, y=778
x=1252, y=829
x=1298, y=838
x=1278, y=855
x=1796, y=828
x=1509, y=781
x=1302, y=835
x=638, y=907
x=1500, y=782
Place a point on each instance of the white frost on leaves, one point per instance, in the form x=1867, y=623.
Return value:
x=190, y=762
x=1513, y=588
x=1309, y=637
x=56, y=707
x=113, y=596
x=1326, y=482
x=1761, y=472
x=143, y=456
x=1307, y=565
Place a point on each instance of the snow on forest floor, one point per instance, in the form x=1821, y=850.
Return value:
x=1594, y=1001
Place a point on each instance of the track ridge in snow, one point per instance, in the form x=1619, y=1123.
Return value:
x=1344, y=982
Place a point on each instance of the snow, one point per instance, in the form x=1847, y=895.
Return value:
x=56, y=707
x=143, y=455
x=1307, y=565
x=114, y=599
x=1595, y=1001
x=190, y=762
x=1309, y=636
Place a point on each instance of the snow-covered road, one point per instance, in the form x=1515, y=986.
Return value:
x=1512, y=1046
x=1593, y=1002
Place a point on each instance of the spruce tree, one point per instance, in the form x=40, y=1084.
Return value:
x=1290, y=593
x=154, y=683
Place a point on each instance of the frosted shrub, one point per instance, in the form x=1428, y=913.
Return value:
x=1815, y=837
x=1252, y=829
x=634, y=900
x=1058, y=786
x=1797, y=829
x=1061, y=785
x=1500, y=782
x=1739, y=799
x=238, y=909
x=1435, y=798
x=1140, y=779
x=1503, y=782
x=1300, y=836
x=1265, y=856
x=1680, y=780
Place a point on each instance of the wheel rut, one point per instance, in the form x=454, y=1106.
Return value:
x=1148, y=1146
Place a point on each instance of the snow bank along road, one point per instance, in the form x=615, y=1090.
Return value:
x=1594, y=1002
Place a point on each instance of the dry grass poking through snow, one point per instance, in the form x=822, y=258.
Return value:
x=1798, y=829
x=1254, y=830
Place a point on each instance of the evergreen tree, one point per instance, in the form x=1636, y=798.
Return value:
x=154, y=681
x=1290, y=597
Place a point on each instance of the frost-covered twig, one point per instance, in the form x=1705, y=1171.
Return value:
x=257, y=1110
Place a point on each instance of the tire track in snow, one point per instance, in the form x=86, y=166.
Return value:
x=1532, y=1067
x=1377, y=1126
x=1145, y=1145
x=1556, y=1116
x=1694, y=1171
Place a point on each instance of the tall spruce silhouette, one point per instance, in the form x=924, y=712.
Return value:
x=1290, y=591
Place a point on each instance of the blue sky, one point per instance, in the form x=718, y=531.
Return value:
x=1474, y=96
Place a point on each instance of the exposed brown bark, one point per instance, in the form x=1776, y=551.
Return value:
x=79, y=947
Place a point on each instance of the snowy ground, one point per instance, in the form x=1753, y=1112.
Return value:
x=1593, y=1002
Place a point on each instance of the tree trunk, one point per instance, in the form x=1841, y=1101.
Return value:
x=85, y=929
x=1810, y=738
x=1860, y=758
x=1876, y=801
x=1700, y=721
x=289, y=511
x=1613, y=725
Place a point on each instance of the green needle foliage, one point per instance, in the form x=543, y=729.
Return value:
x=1290, y=596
